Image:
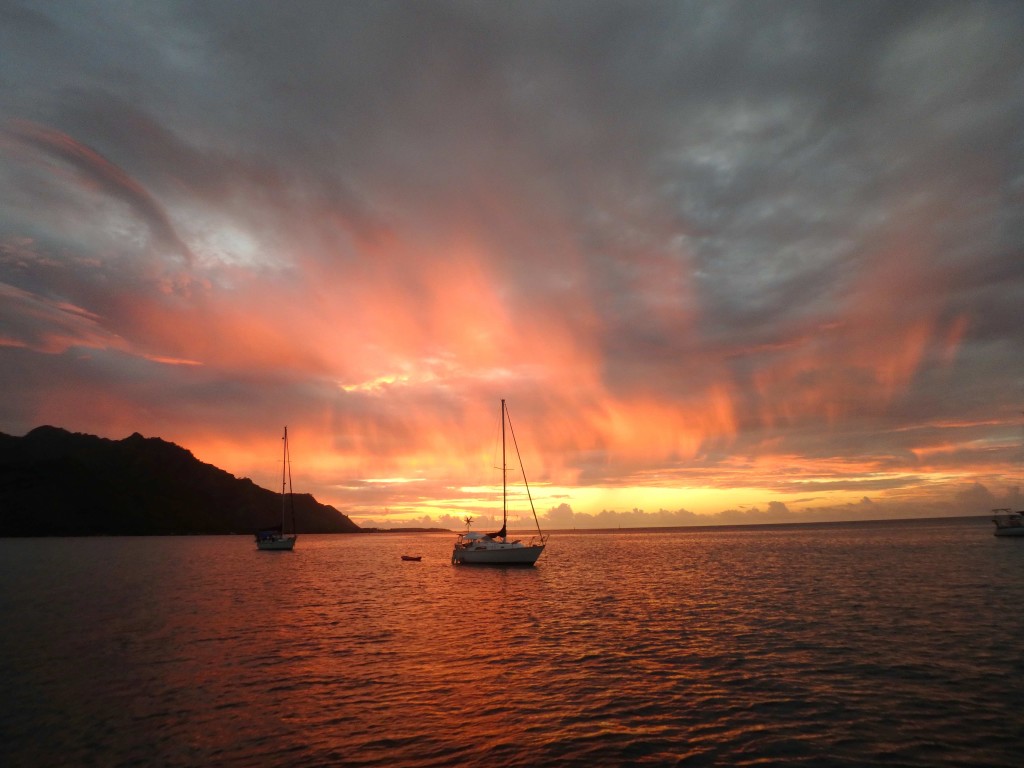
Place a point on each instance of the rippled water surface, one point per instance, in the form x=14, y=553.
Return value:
x=855, y=644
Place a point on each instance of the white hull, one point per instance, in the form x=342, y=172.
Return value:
x=509, y=555
x=284, y=544
x=1008, y=523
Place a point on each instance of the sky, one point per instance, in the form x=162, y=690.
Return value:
x=727, y=262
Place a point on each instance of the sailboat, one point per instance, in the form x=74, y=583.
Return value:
x=495, y=548
x=1008, y=522
x=275, y=539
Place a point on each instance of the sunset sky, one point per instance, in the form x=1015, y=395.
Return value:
x=727, y=262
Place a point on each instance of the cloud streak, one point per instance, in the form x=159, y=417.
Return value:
x=93, y=171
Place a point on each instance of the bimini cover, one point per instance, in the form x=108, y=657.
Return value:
x=473, y=536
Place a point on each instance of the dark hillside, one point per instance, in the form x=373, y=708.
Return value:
x=58, y=483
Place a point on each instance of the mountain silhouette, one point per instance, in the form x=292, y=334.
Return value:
x=58, y=483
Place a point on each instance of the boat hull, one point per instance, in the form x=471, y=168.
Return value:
x=1008, y=522
x=505, y=556
x=284, y=544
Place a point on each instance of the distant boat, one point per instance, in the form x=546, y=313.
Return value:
x=495, y=548
x=1008, y=523
x=412, y=558
x=274, y=539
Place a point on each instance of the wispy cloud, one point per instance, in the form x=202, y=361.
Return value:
x=92, y=170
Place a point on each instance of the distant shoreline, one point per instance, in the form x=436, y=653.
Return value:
x=406, y=530
x=896, y=521
x=884, y=522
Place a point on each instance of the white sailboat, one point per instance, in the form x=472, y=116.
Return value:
x=472, y=548
x=275, y=539
x=1008, y=522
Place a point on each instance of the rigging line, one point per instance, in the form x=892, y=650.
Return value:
x=523, y=470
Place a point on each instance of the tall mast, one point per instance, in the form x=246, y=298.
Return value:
x=284, y=474
x=504, y=472
x=291, y=489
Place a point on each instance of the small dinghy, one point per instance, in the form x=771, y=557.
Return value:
x=413, y=558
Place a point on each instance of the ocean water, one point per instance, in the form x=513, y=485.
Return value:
x=847, y=644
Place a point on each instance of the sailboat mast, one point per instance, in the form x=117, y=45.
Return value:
x=504, y=472
x=291, y=489
x=284, y=474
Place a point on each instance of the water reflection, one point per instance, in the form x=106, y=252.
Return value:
x=729, y=646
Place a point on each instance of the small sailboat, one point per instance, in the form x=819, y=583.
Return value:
x=274, y=539
x=494, y=548
x=1008, y=523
